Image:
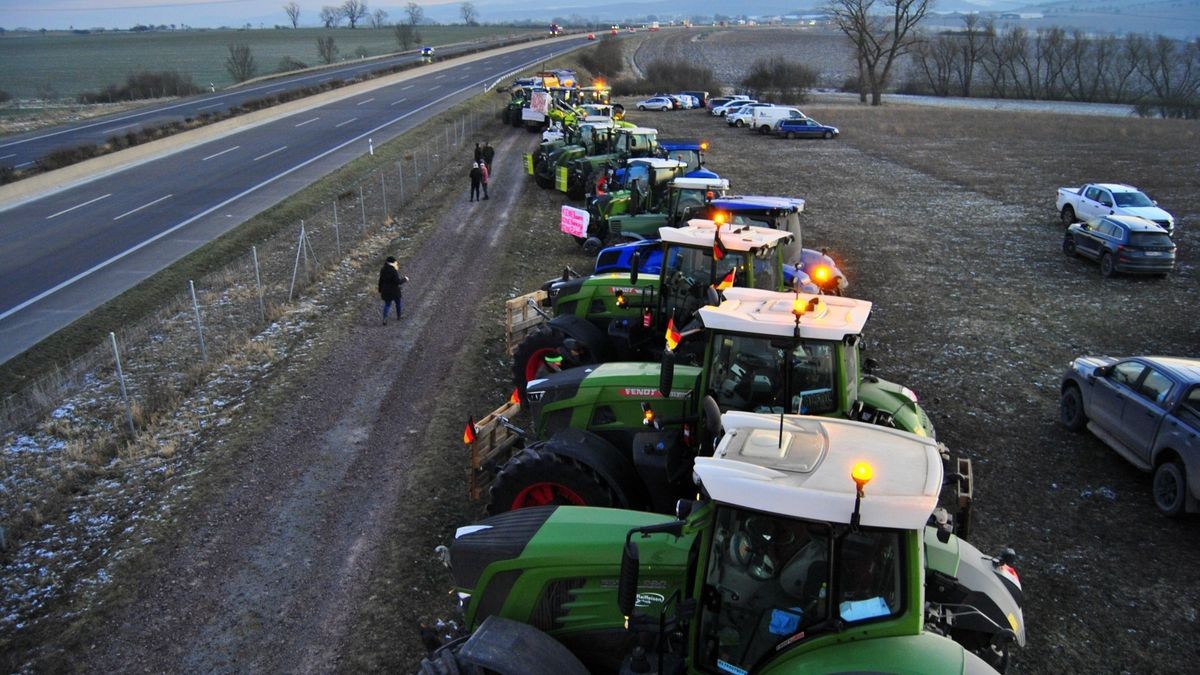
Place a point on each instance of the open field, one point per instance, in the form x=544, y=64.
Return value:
x=61, y=65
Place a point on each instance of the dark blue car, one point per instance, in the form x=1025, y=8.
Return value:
x=804, y=128
x=1122, y=244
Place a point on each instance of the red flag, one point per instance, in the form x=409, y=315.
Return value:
x=719, y=249
x=470, y=431
x=728, y=280
x=673, y=336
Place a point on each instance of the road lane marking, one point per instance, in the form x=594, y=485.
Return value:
x=436, y=86
x=345, y=123
x=406, y=88
x=122, y=127
x=276, y=90
x=325, y=79
x=307, y=121
x=438, y=77
x=23, y=164
x=221, y=153
x=79, y=206
x=15, y=154
x=280, y=149
x=366, y=101
x=390, y=105
x=215, y=105
x=143, y=206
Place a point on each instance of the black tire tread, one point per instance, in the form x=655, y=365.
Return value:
x=532, y=464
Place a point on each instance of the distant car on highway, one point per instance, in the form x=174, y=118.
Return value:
x=1110, y=199
x=804, y=128
x=659, y=103
x=427, y=52
x=1148, y=410
x=1122, y=244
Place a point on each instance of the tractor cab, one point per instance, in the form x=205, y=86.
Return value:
x=690, y=153
x=687, y=198
x=581, y=173
x=590, y=139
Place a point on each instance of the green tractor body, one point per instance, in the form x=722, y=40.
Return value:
x=810, y=551
x=581, y=173
x=649, y=202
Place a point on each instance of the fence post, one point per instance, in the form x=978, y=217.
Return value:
x=262, y=307
x=296, y=265
x=400, y=172
x=416, y=170
x=362, y=205
x=383, y=187
x=121, y=379
x=199, y=325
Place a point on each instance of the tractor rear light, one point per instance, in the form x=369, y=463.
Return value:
x=620, y=295
x=515, y=397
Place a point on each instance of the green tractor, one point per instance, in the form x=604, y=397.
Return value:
x=622, y=316
x=579, y=175
x=758, y=351
x=651, y=195
x=592, y=138
x=815, y=547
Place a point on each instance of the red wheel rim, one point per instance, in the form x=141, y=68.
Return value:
x=545, y=494
x=535, y=362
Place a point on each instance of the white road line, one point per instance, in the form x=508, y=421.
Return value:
x=436, y=86
x=276, y=90
x=79, y=206
x=280, y=149
x=215, y=105
x=254, y=188
x=221, y=153
x=438, y=77
x=366, y=101
x=345, y=123
x=23, y=164
x=143, y=206
x=325, y=79
x=389, y=105
x=307, y=121
x=123, y=127
x=406, y=88
x=15, y=154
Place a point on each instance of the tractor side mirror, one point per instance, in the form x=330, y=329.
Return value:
x=666, y=374
x=636, y=264
x=628, y=582
x=869, y=365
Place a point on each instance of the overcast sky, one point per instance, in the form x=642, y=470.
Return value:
x=199, y=13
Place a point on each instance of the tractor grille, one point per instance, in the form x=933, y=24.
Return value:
x=550, y=606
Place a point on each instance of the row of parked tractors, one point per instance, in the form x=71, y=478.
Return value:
x=710, y=477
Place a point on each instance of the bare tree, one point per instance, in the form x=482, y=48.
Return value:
x=240, y=62
x=938, y=59
x=354, y=11
x=331, y=16
x=327, y=49
x=879, y=38
x=293, y=12
x=415, y=13
x=970, y=52
x=469, y=14
x=378, y=18
x=405, y=35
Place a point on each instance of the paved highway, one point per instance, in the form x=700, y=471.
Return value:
x=66, y=253
x=21, y=150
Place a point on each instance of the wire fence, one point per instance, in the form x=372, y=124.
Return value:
x=214, y=315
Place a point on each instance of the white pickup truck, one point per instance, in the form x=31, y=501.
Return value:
x=1103, y=199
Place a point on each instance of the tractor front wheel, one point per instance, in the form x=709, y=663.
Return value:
x=536, y=477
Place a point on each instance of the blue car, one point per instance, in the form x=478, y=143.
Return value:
x=804, y=128
x=1122, y=244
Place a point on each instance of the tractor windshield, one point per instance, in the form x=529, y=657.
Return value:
x=751, y=373
x=689, y=157
x=772, y=581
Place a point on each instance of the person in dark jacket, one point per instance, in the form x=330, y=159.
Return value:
x=489, y=153
x=390, y=281
x=476, y=180
x=478, y=152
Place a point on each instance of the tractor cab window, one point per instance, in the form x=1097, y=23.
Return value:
x=771, y=581
x=767, y=268
x=761, y=375
x=689, y=157
x=639, y=172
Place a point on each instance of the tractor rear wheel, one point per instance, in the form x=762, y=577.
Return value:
x=542, y=181
x=536, y=477
x=529, y=359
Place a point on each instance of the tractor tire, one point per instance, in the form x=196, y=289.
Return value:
x=542, y=181
x=1170, y=488
x=592, y=246
x=1070, y=409
x=1068, y=215
x=528, y=358
x=536, y=477
x=516, y=120
x=1069, y=246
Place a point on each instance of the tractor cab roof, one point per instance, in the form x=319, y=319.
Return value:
x=672, y=144
x=759, y=203
x=759, y=312
x=643, y=131
x=699, y=233
x=696, y=183
x=809, y=475
x=658, y=163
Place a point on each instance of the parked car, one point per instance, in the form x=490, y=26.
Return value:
x=741, y=117
x=700, y=96
x=764, y=119
x=689, y=101
x=722, y=100
x=659, y=103
x=722, y=110
x=804, y=128
x=1108, y=199
x=1122, y=244
x=1148, y=410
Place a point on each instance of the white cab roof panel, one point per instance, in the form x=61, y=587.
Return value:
x=809, y=477
x=750, y=310
x=702, y=183
x=699, y=233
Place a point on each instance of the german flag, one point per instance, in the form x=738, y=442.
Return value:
x=728, y=280
x=673, y=336
x=470, y=431
x=719, y=250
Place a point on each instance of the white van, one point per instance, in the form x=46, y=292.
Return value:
x=765, y=119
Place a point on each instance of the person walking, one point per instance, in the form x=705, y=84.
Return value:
x=476, y=180
x=488, y=153
x=390, y=281
x=478, y=153
x=483, y=168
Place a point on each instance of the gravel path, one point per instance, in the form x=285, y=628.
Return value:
x=268, y=575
